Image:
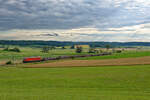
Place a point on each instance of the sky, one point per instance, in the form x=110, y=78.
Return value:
x=75, y=20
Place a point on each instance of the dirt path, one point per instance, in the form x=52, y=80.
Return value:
x=110, y=62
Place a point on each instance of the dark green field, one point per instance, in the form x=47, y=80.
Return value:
x=90, y=83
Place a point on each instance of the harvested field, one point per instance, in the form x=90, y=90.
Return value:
x=3, y=62
x=110, y=62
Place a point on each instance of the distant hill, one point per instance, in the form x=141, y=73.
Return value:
x=68, y=43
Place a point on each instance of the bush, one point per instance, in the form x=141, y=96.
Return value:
x=72, y=47
x=118, y=51
x=91, y=50
x=45, y=49
x=8, y=62
x=101, y=51
x=63, y=47
x=79, y=50
x=15, y=49
x=6, y=49
x=52, y=47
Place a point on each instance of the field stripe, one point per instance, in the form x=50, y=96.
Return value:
x=110, y=62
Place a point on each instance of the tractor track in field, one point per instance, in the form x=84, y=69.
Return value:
x=86, y=63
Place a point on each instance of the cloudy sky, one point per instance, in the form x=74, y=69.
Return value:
x=75, y=20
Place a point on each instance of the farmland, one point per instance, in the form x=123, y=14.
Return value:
x=109, y=83
x=120, y=76
x=29, y=52
x=126, y=54
x=87, y=63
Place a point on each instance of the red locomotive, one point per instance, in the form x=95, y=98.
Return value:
x=32, y=59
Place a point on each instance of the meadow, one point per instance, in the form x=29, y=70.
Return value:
x=29, y=52
x=78, y=83
x=125, y=54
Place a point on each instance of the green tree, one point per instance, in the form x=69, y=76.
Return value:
x=79, y=50
x=15, y=49
x=72, y=47
x=63, y=47
x=9, y=62
x=52, y=47
x=6, y=49
x=107, y=47
x=91, y=50
x=45, y=49
x=12, y=49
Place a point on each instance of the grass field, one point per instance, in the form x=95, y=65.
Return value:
x=90, y=83
x=127, y=54
x=28, y=52
x=16, y=58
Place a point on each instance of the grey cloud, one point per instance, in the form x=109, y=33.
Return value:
x=121, y=37
x=47, y=34
x=70, y=14
x=54, y=14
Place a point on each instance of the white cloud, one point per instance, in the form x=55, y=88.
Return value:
x=123, y=34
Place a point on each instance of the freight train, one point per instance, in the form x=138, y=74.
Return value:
x=39, y=59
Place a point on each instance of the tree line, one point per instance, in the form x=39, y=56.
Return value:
x=68, y=43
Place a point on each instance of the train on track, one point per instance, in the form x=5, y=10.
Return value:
x=39, y=59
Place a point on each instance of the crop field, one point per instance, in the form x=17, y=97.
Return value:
x=77, y=83
x=86, y=63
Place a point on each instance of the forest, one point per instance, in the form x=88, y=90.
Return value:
x=70, y=43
